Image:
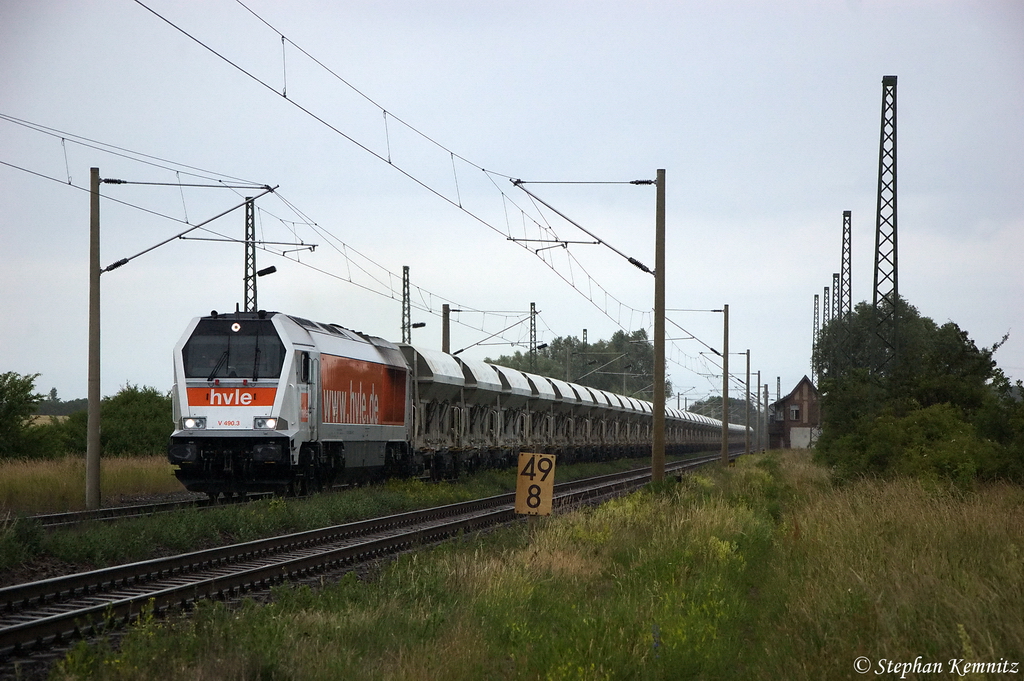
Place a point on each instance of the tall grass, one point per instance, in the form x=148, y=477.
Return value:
x=58, y=485
x=900, y=569
x=98, y=544
x=762, y=571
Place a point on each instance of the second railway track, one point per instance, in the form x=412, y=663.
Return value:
x=38, y=615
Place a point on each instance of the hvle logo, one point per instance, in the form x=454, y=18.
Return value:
x=227, y=398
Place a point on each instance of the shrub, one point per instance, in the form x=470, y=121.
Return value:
x=136, y=421
x=933, y=443
x=940, y=408
x=18, y=402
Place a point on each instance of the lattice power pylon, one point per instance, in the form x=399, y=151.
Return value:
x=846, y=270
x=814, y=341
x=406, y=307
x=533, y=336
x=826, y=308
x=886, y=279
x=836, y=316
x=250, y=254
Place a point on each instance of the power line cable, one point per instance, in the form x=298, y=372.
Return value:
x=279, y=252
x=571, y=259
x=361, y=93
x=87, y=189
x=604, y=308
x=122, y=152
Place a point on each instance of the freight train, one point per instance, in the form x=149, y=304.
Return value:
x=265, y=401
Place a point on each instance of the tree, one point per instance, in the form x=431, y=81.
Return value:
x=54, y=406
x=883, y=411
x=623, y=365
x=712, y=408
x=18, y=403
x=135, y=421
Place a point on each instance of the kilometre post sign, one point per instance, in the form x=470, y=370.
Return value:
x=535, y=483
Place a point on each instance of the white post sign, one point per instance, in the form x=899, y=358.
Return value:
x=535, y=483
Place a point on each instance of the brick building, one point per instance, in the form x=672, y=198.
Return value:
x=795, y=420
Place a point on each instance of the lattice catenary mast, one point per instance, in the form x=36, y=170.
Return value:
x=533, y=336
x=826, y=308
x=845, y=299
x=406, y=307
x=250, y=254
x=846, y=270
x=814, y=342
x=836, y=316
x=885, y=296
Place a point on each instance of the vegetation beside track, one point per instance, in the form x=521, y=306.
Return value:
x=761, y=571
x=32, y=486
x=23, y=544
x=940, y=409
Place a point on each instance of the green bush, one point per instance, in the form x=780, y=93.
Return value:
x=933, y=443
x=18, y=403
x=135, y=421
x=938, y=409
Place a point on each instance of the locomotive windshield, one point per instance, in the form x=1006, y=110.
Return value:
x=233, y=348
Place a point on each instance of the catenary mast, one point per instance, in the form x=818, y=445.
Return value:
x=886, y=278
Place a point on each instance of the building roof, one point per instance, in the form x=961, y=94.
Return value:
x=793, y=392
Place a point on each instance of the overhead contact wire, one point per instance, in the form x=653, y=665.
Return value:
x=457, y=203
x=349, y=137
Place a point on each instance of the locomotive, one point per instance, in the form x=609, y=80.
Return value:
x=270, y=402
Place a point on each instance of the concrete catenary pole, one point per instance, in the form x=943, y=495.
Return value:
x=658, y=444
x=446, y=339
x=746, y=418
x=92, y=447
x=760, y=414
x=725, y=386
x=767, y=439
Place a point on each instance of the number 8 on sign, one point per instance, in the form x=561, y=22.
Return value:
x=535, y=483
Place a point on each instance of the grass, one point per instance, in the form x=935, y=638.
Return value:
x=91, y=545
x=761, y=571
x=899, y=569
x=58, y=485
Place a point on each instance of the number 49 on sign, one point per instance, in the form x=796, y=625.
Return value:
x=535, y=483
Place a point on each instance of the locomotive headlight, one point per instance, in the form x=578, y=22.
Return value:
x=193, y=423
x=269, y=423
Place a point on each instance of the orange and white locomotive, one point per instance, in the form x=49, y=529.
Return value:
x=265, y=401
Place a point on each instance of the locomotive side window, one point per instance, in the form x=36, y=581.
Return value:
x=304, y=368
x=226, y=348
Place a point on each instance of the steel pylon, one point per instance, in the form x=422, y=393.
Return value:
x=885, y=296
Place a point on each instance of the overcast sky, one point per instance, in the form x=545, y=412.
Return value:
x=765, y=117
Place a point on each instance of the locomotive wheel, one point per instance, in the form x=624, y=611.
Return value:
x=310, y=473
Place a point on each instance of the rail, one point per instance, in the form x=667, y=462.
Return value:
x=49, y=612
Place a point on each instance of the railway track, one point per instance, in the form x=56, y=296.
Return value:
x=112, y=513
x=40, y=615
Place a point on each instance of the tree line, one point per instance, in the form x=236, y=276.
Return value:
x=623, y=364
x=136, y=421
x=931, y=404
x=712, y=407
